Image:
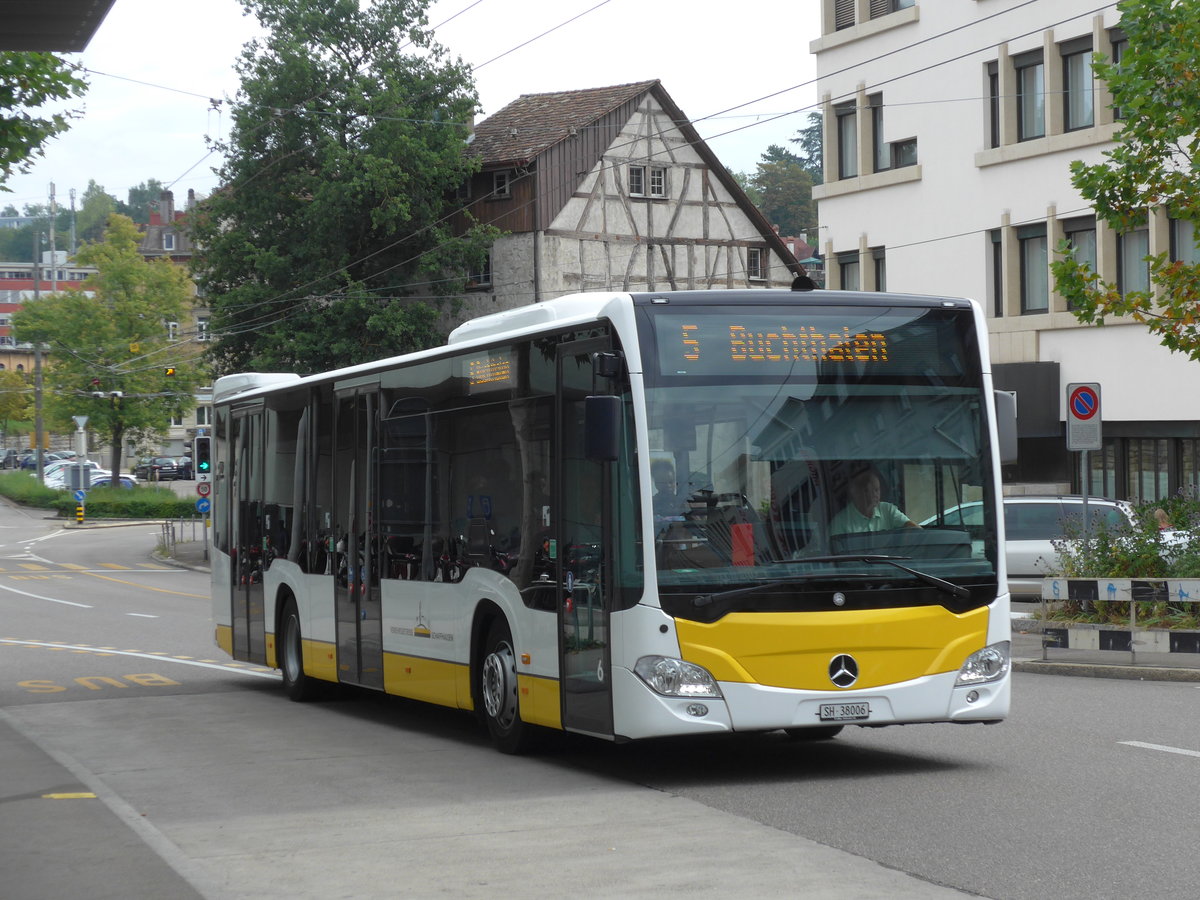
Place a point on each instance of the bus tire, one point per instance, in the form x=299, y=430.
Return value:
x=821, y=733
x=496, y=687
x=296, y=684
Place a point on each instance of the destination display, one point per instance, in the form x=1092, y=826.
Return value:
x=489, y=371
x=799, y=342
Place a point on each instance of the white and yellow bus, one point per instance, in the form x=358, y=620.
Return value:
x=632, y=516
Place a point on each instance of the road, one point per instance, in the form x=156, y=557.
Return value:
x=150, y=766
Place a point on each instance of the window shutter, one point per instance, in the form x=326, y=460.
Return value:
x=843, y=14
x=880, y=8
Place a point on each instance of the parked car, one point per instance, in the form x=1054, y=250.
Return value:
x=185, y=468
x=59, y=474
x=11, y=459
x=1031, y=523
x=157, y=468
x=123, y=481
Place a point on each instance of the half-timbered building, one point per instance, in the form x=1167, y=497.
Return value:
x=610, y=189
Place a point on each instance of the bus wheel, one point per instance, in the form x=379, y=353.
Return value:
x=296, y=684
x=497, y=682
x=822, y=733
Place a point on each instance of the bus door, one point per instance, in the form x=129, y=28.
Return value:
x=356, y=527
x=582, y=529
x=246, y=506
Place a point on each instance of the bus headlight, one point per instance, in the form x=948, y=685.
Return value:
x=989, y=664
x=676, y=678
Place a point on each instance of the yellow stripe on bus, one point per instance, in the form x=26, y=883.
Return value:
x=320, y=659
x=431, y=680
x=224, y=638
x=540, y=701
x=793, y=650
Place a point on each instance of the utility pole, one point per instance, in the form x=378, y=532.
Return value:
x=37, y=365
x=53, y=254
x=72, y=221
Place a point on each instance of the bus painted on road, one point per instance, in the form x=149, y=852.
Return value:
x=632, y=516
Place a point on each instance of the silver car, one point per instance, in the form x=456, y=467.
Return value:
x=1031, y=523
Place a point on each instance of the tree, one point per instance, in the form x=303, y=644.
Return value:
x=1156, y=88
x=95, y=208
x=108, y=353
x=28, y=81
x=15, y=401
x=140, y=198
x=784, y=189
x=811, y=141
x=328, y=237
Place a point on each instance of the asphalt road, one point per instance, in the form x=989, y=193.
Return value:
x=207, y=782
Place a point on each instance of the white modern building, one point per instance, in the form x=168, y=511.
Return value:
x=949, y=131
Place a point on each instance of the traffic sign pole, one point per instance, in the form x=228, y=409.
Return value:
x=1084, y=432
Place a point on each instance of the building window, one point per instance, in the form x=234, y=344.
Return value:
x=203, y=415
x=879, y=258
x=172, y=331
x=647, y=181
x=904, y=153
x=501, y=185
x=883, y=7
x=168, y=241
x=1120, y=43
x=1078, y=92
x=847, y=139
x=482, y=278
x=1081, y=235
x=756, y=264
x=176, y=421
x=202, y=328
x=997, y=272
x=879, y=148
x=1183, y=242
x=1031, y=95
x=1035, y=282
x=1133, y=272
x=848, y=268
x=843, y=14
x=1147, y=467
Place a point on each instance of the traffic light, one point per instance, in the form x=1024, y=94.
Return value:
x=169, y=371
x=203, y=447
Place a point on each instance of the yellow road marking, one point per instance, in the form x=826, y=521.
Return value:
x=112, y=566
x=82, y=795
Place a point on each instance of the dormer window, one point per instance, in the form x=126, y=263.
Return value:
x=168, y=241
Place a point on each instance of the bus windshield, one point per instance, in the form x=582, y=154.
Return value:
x=795, y=447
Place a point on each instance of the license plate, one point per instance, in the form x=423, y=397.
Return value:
x=844, y=712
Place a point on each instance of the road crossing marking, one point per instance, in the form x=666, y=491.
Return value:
x=1161, y=747
x=241, y=668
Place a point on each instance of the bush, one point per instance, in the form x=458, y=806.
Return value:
x=142, y=502
x=1140, y=550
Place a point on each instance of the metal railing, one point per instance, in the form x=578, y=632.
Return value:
x=184, y=529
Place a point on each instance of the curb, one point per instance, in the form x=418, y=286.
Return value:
x=1100, y=670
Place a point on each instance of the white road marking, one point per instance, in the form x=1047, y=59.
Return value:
x=1161, y=747
x=5, y=587
x=231, y=667
x=142, y=615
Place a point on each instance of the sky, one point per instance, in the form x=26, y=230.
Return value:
x=155, y=66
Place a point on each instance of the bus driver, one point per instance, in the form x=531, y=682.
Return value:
x=866, y=512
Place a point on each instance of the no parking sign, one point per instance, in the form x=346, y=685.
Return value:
x=1083, y=417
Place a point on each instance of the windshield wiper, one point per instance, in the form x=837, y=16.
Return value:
x=955, y=590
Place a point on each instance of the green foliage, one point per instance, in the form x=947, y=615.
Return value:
x=140, y=199
x=784, y=189
x=141, y=502
x=116, y=341
x=16, y=399
x=328, y=242
x=1142, y=550
x=811, y=145
x=1156, y=87
x=95, y=208
x=28, y=81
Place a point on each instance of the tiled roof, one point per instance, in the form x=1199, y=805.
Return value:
x=533, y=122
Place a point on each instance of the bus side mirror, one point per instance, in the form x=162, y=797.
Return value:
x=1006, y=426
x=602, y=428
